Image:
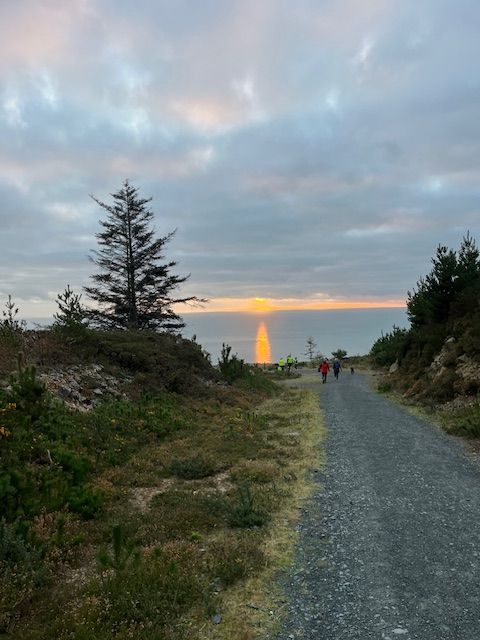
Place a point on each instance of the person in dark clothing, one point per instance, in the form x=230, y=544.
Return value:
x=336, y=368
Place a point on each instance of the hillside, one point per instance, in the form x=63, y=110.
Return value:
x=437, y=360
x=142, y=491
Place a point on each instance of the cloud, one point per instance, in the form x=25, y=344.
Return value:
x=303, y=150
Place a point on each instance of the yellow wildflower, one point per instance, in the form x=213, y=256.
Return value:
x=4, y=432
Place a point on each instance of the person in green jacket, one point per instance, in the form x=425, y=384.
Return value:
x=281, y=364
x=289, y=362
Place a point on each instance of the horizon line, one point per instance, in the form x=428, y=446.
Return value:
x=271, y=305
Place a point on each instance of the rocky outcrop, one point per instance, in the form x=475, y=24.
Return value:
x=445, y=359
x=82, y=387
x=451, y=374
x=393, y=367
x=468, y=371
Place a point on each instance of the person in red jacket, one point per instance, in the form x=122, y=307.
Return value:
x=324, y=368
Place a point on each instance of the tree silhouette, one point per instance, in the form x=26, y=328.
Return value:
x=134, y=286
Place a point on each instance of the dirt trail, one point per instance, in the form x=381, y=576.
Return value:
x=389, y=544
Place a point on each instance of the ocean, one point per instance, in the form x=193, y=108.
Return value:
x=265, y=337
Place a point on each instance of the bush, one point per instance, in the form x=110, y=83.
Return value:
x=75, y=465
x=232, y=367
x=444, y=388
x=386, y=350
x=465, y=422
x=28, y=394
x=384, y=387
x=86, y=501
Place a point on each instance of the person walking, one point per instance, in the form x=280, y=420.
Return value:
x=281, y=364
x=289, y=362
x=336, y=368
x=324, y=369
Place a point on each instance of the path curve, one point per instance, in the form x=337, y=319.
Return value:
x=389, y=545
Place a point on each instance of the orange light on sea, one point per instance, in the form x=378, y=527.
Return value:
x=263, y=352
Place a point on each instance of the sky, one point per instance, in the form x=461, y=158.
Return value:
x=310, y=153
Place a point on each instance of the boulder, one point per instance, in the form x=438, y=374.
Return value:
x=393, y=367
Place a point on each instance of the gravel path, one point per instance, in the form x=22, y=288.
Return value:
x=389, y=549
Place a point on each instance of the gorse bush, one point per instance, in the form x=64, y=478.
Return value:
x=27, y=393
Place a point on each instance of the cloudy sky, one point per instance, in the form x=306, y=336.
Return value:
x=309, y=152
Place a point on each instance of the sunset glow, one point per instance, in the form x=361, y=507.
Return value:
x=260, y=305
x=262, y=345
x=267, y=305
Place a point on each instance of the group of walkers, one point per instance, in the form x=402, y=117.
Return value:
x=324, y=368
x=287, y=363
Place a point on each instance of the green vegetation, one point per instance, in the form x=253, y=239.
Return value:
x=463, y=422
x=386, y=349
x=234, y=369
x=71, y=316
x=444, y=305
x=135, y=518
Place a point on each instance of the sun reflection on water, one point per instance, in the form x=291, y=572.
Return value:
x=263, y=351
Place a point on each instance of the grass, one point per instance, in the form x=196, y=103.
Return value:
x=252, y=608
x=146, y=516
x=463, y=422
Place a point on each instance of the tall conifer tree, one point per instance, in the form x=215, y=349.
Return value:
x=134, y=286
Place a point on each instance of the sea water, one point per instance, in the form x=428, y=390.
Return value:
x=259, y=337
x=265, y=337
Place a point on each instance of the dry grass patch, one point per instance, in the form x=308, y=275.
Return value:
x=251, y=608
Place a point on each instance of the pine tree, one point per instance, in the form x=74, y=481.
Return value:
x=431, y=301
x=133, y=287
x=71, y=312
x=310, y=350
x=10, y=323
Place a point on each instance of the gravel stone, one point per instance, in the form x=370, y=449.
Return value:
x=389, y=544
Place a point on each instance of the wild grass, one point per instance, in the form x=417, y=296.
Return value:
x=463, y=422
x=220, y=478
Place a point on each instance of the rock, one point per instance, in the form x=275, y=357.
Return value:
x=449, y=340
x=98, y=392
x=469, y=370
x=393, y=367
x=217, y=618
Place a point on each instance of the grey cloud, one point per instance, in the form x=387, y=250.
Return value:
x=292, y=161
